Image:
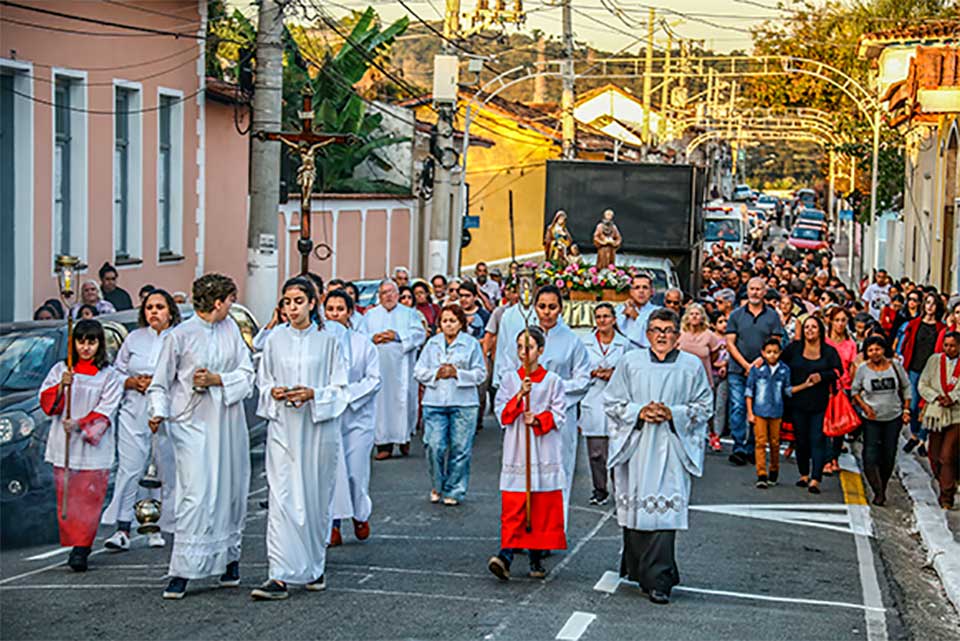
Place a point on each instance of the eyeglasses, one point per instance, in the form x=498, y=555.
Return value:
x=662, y=331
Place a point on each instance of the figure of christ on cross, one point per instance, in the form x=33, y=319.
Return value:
x=306, y=142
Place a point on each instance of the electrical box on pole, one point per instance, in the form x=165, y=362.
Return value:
x=446, y=77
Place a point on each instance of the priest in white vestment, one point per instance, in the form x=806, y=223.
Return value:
x=397, y=332
x=203, y=374
x=659, y=401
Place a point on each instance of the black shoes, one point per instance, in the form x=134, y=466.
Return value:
x=599, y=497
x=658, y=597
x=537, y=571
x=772, y=479
x=912, y=443
x=231, y=578
x=78, y=558
x=922, y=450
x=813, y=489
x=176, y=589
x=271, y=590
x=738, y=459
x=500, y=567
x=762, y=482
x=317, y=585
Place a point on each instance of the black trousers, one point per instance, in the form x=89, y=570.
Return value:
x=811, y=444
x=880, y=452
x=649, y=559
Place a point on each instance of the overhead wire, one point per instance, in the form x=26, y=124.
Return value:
x=108, y=112
x=104, y=23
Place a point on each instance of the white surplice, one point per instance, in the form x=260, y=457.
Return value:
x=303, y=444
x=352, y=490
x=138, y=357
x=396, y=414
x=546, y=452
x=593, y=420
x=636, y=329
x=210, y=440
x=653, y=466
x=101, y=394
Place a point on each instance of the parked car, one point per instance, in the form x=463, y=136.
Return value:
x=803, y=198
x=27, y=352
x=805, y=238
x=742, y=193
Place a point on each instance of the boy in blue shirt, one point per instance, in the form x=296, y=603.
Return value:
x=766, y=387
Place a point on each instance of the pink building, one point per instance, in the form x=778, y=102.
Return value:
x=114, y=146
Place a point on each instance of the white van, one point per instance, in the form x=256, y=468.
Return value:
x=726, y=226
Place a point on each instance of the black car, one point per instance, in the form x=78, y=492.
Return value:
x=27, y=352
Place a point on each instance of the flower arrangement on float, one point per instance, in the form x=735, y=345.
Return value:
x=584, y=282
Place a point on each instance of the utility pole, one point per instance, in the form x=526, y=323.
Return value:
x=665, y=90
x=567, y=97
x=443, y=249
x=260, y=294
x=648, y=80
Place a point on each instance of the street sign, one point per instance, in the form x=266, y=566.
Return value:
x=846, y=214
x=471, y=222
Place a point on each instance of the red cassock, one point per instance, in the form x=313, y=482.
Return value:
x=546, y=510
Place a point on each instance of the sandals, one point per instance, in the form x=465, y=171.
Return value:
x=434, y=496
x=450, y=501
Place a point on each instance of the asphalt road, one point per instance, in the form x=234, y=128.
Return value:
x=790, y=569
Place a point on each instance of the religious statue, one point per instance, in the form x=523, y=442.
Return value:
x=557, y=240
x=307, y=172
x=607, y=240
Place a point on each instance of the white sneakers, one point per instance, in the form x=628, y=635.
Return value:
x=119, y=542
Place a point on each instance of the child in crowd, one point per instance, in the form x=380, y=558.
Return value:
x=766, y=387
x=718, y=424
x=531, y=399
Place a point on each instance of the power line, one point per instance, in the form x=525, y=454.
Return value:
x=108, y=83
x=191, y=48
x=77, y=32
x=103, y=23
x=107, y=112
x=154, y=12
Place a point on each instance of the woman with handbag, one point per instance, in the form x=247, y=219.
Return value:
x=838, y=337
x=813, y=370
x=881, y=389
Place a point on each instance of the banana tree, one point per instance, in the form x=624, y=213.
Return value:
x=339, y=108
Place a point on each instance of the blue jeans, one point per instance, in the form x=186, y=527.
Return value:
x=742, y=437
x=915, y=427
x=448, y=440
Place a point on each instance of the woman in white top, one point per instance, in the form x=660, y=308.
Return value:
x=451, y=368
x=606, y=348
x=352, y=489
x=302, y=381
x=95, y=392
x=135, y=364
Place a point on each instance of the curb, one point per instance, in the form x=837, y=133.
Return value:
x=943, y=551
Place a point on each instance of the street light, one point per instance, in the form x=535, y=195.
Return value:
x=66, y=268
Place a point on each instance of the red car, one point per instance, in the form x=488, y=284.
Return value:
x=806, y=238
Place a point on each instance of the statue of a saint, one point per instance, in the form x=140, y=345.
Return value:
x=607, y=240
x=557, y=240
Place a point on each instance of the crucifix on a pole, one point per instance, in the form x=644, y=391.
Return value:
x=306, y=143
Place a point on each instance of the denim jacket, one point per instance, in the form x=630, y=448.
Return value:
x=767, y=388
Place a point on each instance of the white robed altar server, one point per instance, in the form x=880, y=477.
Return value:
x=397, y=333
x=203, y=374
x=135, y=363
x=565, y=356
x=511, y=323
x=302, y=381
x=352, y=489
x=659, y=401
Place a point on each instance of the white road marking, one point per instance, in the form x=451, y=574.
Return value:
x=836, y=517
x=364, y=579
x=861, y=522
x=575, y=626
x=611, y=580
x=425, y=595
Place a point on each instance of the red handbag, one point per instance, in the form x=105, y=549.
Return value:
x=840, y=417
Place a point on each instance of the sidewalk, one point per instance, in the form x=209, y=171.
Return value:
x=939, y=530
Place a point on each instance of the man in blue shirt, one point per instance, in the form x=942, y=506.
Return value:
x=767, y=385
x=748, y=328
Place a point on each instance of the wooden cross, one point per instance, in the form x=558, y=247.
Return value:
x=306, y=142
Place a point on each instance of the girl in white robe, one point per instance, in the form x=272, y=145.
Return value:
x=302, y=381
x=352, y=489
x=95, y=392
x=203, y=374
x=606, y=347
x=135, y=363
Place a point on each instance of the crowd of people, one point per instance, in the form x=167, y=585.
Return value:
x=768, y=352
